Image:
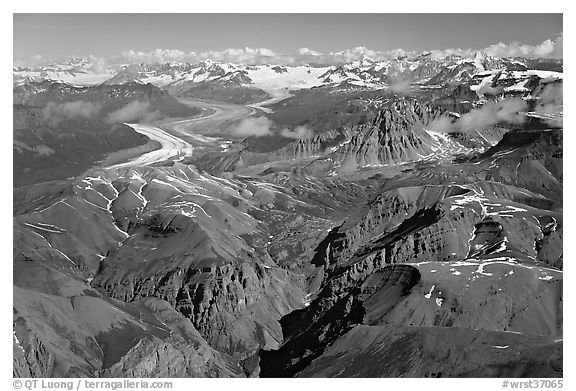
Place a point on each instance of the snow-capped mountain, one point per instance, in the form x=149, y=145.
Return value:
x=74, y=71
x=366, y=73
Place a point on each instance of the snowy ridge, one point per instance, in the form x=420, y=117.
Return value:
x=479, y=70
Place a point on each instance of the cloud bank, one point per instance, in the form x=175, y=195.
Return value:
x=400, y=87
x=249, y=56
x=550, y=102
x=262, y=126
x=550, y=48
x=440, y=125
x=552, y=94
x=258, y=127
x=100, y=65
x=55, y=113
x=301, y=133
x=547, y=49
x=507, y=110
x=511, y=110
x=134, y=111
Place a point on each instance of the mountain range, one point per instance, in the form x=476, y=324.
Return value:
x=399, y=218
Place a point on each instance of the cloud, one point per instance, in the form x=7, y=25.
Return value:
x=243, y=56
x=361, y=52
x=99, y=65
x=546, y=49
x=350, y=55
x=134, y=111
x=250, y=56
x=559, y=47
x=400, y=87
x=441, y=125
x=549, y=48
x=42, y=150
x=258, y=127
x=307, y=52
x=507, y=110
x=551, y=94
x=55, y=113
x=550, y=102
x=262, y=126
x=438, y=54
x=489, y=90
x=162, y=56
x=157, y=56
x=301, y=132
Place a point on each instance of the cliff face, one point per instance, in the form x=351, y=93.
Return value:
x=82, y=334
x=472, y=255
x=204, y=256
x=184, y=354
x=396, y=135
x=235, y=307
x=393, y=132
x=200, y=246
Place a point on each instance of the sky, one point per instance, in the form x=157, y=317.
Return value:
x=108, y=35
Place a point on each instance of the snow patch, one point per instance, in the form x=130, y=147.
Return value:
x=429, y=294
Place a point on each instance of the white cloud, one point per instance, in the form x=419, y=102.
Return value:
x=301, y=132
x=158, y=56
x=54, y=113
x=441, y=124
x=257, y=127
x=252, y=56
x=134, y=111
x=262, y=126
x=99, y=65
x=546, y=49
x=244, y=56
x=437, y=54
x=400, y=87
x=507, y=110
x=307, y=52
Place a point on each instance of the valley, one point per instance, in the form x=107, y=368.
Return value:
x=291, y=221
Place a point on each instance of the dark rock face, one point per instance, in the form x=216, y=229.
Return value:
x=460, y=100
x=184, y=354
x=394, y=136
x=206, y=270
x=236, y=308
x=43, y=152
x=378, y=351
x=426, y=233
x=339, y=306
